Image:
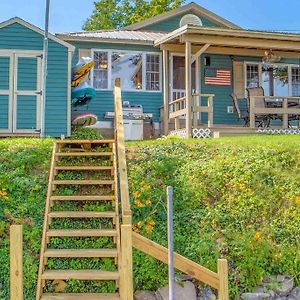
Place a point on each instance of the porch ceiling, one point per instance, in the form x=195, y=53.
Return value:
x=231, y=41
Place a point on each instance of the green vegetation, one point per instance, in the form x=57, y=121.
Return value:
x=86, y=133
x=113, y=14
x=237, y=198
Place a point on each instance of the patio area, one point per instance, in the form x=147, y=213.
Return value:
x=267, y=97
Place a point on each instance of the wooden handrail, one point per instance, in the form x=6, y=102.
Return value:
x=215, y=280
x=121, y=154
x=276, y=97
x=125, y=255
x=177, y=100
x=203, y=95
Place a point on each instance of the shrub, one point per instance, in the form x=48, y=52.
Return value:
x=86, y=134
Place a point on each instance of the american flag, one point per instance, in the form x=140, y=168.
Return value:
x=217, y=77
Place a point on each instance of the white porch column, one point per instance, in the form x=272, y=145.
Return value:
x=166, y=91
x=188, y=88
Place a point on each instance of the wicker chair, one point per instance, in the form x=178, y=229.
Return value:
x=261, y=119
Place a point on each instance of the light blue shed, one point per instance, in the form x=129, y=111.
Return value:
x=21, y=81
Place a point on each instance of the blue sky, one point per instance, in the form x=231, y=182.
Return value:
x=69, y=15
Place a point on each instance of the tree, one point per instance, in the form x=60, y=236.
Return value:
x=114, y=14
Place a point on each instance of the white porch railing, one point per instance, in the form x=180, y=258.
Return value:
x=177, y=108
x=284, y=110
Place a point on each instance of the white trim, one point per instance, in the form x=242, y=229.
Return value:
x=36, y=29
x=260, y=64
x=191, y=7
x=69, y=100
x=16, y=92
x=109, y=70
x=8, y=92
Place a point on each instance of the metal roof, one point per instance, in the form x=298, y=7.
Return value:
x=115, y=35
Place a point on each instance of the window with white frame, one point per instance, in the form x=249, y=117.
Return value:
x=100, y=73
x=295, y=81
x=138, y=71
x=252, y=76
x=276, y=79
x=152, y=72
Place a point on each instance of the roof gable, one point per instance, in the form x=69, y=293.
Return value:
x=35, y=29
x=189, y=8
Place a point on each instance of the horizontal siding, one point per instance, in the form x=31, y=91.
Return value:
x=222, y=97
x=172, y=23
x=18, y=37
x=4, y=111
x=151, y=101
x=4, y=73
x=104, y=102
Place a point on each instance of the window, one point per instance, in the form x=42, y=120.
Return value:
x=152, y=72
x=295, y=81
x=128, y=67
x=138, y=71
x=276, y=79
x=252, y=76
x=100, y=73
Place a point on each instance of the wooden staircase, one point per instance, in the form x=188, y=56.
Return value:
x=88, y=195
x=88, y=219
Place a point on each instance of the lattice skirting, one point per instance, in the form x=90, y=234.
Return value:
x=181, y=133
x=288, y=131
x=197, y=133
x=201, y=133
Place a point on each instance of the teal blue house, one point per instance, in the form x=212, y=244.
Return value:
x=21, y=86
x=150, y=57
x=181, y=66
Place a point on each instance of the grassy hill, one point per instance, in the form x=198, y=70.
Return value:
x=237, y=198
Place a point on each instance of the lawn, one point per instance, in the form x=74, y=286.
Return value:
x=237, y=198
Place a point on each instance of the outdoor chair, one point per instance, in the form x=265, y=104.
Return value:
x=262, y=120
x=241, y=114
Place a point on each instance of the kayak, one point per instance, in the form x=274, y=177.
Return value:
x=82, y=94
x=84, y=119
x=81, y=70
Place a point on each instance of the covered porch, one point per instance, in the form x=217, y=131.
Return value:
x=203, y=88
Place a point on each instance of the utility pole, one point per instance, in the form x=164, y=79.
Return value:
x=45, y=68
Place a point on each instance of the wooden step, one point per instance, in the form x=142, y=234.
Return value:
x=84, y=168
x=75, y=296
x=84, y=154
x=81, y=253
x=81, y=232
x=82, y=214
x=80, y=275
x=83, y=198
x=106, y=141
x=83, y=182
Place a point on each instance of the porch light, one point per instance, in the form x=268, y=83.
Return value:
x=270, y=57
